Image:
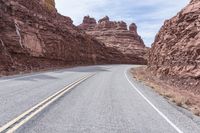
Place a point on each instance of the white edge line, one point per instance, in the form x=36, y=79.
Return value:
x=153, y=106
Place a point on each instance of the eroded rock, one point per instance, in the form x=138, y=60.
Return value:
x=34, y=36
x=176, y=50
x=115, y=34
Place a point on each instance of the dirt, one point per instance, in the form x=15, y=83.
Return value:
x=183, y=98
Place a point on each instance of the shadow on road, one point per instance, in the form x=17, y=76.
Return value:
x=37, y=77
x=86, y=69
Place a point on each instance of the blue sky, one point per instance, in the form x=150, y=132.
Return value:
x=149, y=15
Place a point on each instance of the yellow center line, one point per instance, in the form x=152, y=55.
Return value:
x=14, y=124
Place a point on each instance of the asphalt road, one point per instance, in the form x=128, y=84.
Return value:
x=109, y=102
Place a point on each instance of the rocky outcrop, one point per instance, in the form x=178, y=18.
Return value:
x=34, y=36
x=176, y=50
x=88, y=23
x=115, y=34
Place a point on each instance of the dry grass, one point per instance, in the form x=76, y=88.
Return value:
x=50, y=4
x=180, y=97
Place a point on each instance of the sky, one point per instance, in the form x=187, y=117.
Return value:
x=149, y=15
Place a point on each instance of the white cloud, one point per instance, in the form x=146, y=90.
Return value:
x=149, y=15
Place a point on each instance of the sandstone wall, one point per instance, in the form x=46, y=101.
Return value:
x=32, y=38
x=176, y=50
x=117, y=35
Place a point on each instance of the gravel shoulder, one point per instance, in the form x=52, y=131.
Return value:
x=181, y=97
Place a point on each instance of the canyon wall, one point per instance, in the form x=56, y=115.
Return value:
x=176, y=51
x=117, y=35
x=34, y=36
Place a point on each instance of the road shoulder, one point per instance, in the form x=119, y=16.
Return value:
x=180, y=116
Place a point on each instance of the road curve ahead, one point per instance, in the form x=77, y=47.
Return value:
x=106, y=101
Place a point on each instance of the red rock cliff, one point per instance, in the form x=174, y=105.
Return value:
x=34, y=36
x=115, y=34
x=176, y=50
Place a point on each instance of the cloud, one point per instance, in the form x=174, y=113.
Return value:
x=149, y=15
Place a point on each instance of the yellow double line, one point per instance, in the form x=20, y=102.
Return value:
x=14, y=124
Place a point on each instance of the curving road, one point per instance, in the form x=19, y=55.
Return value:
x=108, y=102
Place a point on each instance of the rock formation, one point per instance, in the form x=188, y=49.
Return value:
x=176, y=50
x=34, y=36
x=115, y=34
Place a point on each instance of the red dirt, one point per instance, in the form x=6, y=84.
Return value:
x=187, y=98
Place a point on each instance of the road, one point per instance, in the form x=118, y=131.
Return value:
x=108, y=102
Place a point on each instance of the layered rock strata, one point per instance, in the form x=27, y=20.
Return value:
x=117, y=35
x=34, y=36
x=176, y=51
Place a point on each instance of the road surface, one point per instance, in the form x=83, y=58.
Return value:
x=108, y=102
